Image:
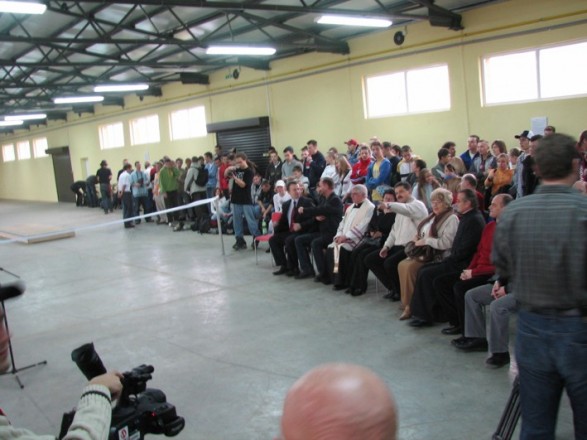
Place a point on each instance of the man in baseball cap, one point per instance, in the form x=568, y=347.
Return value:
x=524, y=138
x=353, y=151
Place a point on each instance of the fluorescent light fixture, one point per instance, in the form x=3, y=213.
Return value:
x=121, y=88
x=354, y=21
x=26, y=117
x=78, y=99
x=240, y=50
x=22, y=7
x=10, y=123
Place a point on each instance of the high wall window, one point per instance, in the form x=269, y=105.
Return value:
x=39, y=147
x=8, y=153
x=24, y=150
x=188, y=123
x=532, y=75
x=411, y=91
x=144, y=130
x=111, y=135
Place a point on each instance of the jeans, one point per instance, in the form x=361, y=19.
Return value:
x=303, y=242
x=249, y=213
x=137, y=203
x=127, y=207
x=105, y=193
x=92, y=197
x=552, y=355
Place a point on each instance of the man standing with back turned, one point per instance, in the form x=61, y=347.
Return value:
x=540, y=246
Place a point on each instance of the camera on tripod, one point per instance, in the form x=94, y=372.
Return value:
x=139, y=411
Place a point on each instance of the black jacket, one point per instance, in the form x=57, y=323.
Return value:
x=466, y=240
x=316, y=169
x=331, y=208
x=305, y=220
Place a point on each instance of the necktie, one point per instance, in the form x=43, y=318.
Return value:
x=293, y=213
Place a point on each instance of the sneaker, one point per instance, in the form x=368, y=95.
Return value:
x=498, y=360
x=178, y=228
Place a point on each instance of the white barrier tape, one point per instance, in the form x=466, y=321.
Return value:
x=26, y=238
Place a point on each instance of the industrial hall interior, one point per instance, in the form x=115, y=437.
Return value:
x=284, y=219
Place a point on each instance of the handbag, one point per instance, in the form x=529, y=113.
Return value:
x=423, y=254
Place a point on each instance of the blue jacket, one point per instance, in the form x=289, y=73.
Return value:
x=384, y=173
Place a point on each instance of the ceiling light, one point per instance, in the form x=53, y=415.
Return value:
x=121, y=88
x=240, y=50
x=10, y=123
x=354, y=21
x=26, y=117
x=78, y=99
x=22, y=7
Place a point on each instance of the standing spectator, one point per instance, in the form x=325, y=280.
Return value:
x=240, y=198
x=195, y=188
x=158, y=199
x=273, y=172
x=483, y=162
x=168, y=188
x=342, y=179
x=330, y=169
x=352, y=151
x=393, y=153
x=316, y=167
x=500, y=179
x=125, y=194
x=404, y=167
x=289, y=162
x=223, y=181
x=582, y=149
x=469, y=156
x=530, y=179
x=361, y=168
x=451, y=147
x=91, y=196
x=425, y=184
x=212, y=167
x=539, y=247
x=104, y=175
x=513, y=157
x=548, y=130
x=438, y=169
x=378, y=174
x=306, y=162
x=138, y=180
x=281, y=195
x=524, y=139
x=498, y=147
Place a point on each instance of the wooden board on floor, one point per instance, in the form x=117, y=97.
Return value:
x=30, y=233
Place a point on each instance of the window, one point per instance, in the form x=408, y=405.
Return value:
x=39, y=147
x=111, y=135
x=24, y=150
x=8, y=153
x=536, y=74
x=144, y=130
x=188, y=123
x=411, y=91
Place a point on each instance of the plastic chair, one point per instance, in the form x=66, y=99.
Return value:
x=265, y=238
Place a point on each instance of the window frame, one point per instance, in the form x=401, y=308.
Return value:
x=4, y=148
x=20, y=144
x=173, y=135
x=108, y=138
x=36, y=150
x=142, y=125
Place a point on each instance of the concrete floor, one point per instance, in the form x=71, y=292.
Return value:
x=226, y=337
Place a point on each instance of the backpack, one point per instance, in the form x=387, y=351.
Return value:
x=202, y=178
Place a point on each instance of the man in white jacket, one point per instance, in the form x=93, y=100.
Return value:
x=410, y=212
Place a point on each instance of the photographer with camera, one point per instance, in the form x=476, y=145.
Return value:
x=92, y=418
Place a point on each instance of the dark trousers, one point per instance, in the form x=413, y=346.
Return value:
x=356, y=276
x=127, y=207
x=283, y=248
x=92, y=196
x=137, y=203
x=344, y=266
x=199, y=212
x=386, y=269
x=451, y=296
x=302, y=243
x=170, y=203
x=318, y=245
x=425, y=304
x=106, y=196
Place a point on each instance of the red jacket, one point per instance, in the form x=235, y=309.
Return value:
x=360, y=170
x=481, y=262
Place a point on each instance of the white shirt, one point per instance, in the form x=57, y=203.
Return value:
x=278, y=201
x=124, y=182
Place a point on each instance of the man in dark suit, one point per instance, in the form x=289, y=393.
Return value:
x=424, y=305
x=290, y=225
x=328, y=214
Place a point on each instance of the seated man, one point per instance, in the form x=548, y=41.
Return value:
x=424, y=304
x=351, y=230
x=290, y=225
x=501, y=306
x=409, y=213
x=469, y=181
x=451, y=289
x=327, y=214
x=339, y=401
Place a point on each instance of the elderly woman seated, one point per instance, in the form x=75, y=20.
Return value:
x=432, y=243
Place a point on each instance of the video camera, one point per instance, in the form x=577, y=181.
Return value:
x=140, y=410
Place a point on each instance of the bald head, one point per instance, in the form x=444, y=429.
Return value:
x=339, y=401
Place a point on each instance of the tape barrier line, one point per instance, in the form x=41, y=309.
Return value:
x=26, y=238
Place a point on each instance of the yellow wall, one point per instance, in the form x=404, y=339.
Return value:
x=320, y=96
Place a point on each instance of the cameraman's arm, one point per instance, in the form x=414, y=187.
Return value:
x=94, y=410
